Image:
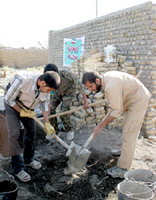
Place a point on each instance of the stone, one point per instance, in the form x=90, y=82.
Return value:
x=98, y=95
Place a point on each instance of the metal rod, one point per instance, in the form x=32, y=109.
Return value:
x=96, y=8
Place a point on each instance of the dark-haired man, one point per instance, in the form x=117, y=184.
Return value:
x=28, y=91
x=63, y=96
x=126, y=94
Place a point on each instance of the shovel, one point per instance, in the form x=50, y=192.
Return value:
x=75, y=109
x=80, y=155
x=64, y=144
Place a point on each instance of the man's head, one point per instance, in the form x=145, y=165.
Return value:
x=50, y=67
x=48, y=82
x=92, y=80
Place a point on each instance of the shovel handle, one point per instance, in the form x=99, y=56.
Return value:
x=92, y=135
x=42, y=125
x=75, y=109
x=61, y=142
x=55, y=136
x=89, y=140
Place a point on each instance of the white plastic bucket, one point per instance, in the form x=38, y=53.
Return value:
x=131, y=190
x=142, y=175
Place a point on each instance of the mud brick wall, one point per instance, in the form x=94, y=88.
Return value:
x=132, y=31
x=22, y=58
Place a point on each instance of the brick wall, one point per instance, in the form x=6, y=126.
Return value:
x=132, y=31
x=22, y=58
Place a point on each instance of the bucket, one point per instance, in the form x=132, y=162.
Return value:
x=131, y=190
x=142, y=175
x=8, y=187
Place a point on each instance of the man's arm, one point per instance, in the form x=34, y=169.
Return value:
x=45, y=112
x=102, y=124
x=85, y=101
x=81, y=89
x=46, y=109
x=12, y=94
x=45, y=116
x=113, y=92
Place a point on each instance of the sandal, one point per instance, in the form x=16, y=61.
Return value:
x=23, y=176
x=35, y=165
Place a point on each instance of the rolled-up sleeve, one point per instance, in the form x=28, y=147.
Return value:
x=44, y=105
x=114, y=95
x=13, y=92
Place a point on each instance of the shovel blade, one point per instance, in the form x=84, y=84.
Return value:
x=78, y=159
x=77, y=147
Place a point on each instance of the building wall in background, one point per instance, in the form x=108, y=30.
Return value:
x=132, y=31
x=22, y=58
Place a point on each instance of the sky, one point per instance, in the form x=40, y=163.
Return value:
x=26, y=23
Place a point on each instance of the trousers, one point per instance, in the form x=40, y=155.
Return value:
x=133, y=120
x=13, y=121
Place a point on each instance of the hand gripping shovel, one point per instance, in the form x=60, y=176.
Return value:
x=80, y=155
x=64, y=144
x=75, y=109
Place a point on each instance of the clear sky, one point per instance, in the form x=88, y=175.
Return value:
x=25, y=23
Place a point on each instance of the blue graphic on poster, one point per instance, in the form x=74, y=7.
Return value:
x=73, y=50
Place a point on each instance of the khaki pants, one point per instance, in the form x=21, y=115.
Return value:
x=133, y=119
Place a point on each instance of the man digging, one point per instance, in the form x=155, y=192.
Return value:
x=126, y=94
x=28, y=91
x=63, y=97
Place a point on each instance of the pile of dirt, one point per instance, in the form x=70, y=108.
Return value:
x=51, y=183
x=91, y=183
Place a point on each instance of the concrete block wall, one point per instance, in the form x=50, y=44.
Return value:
x=132, y=31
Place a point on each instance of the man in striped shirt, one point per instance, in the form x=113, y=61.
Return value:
x=28, y=91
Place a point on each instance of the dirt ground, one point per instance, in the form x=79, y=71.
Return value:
x=91, y=183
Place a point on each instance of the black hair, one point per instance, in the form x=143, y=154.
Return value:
x=90, y=76
x=52, y=79
x=50, y=67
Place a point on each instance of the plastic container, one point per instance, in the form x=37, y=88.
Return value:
x=8, y=186
x=142, y=175
x=131, y=190
x=8, y=190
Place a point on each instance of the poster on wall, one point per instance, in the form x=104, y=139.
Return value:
x=73, y=49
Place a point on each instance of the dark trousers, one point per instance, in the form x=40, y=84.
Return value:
x=13, y=121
